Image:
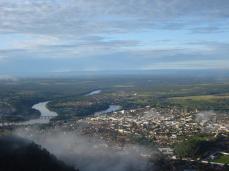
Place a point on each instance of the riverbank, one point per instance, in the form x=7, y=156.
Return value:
x=45, y=115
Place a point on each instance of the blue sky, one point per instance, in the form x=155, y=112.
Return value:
x=52, y=36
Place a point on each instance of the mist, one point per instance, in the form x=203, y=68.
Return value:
x=205, y=116
x=88, y=153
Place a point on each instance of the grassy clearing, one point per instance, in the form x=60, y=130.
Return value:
x=222, y=159
x=204, y=97
x=203, y=102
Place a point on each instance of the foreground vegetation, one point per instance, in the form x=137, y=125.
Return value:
x=22, y=155
x=201, y=146
x=222, y=159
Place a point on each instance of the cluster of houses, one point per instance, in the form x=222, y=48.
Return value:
x=164, y=126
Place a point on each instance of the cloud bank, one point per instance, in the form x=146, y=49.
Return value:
x=105, y=34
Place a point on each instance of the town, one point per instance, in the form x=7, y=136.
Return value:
x=158, y=127
x=163, y=126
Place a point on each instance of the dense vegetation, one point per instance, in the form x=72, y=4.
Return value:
x=201, y=146
x=222, y=159
x=18, y=154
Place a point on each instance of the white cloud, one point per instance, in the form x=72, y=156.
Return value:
x=34, y=42
x=98, y=16
x=105, y=29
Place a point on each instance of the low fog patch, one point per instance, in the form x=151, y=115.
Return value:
x=88, y=153
x=205, y=116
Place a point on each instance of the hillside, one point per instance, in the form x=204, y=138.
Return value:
x=17, y=154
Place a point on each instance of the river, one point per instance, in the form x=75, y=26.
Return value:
x=94, y=93
x=112, y=108
x=47, y=114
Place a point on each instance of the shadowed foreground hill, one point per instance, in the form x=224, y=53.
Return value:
x=17, y=154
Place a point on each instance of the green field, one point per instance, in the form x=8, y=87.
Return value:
x=202, y=98
x=222, y=159
x=203, y=102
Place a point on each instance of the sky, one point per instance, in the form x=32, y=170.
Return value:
x=58, y=36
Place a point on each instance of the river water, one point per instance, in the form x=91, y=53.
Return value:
x=44, y=118
x=112, y=108
x=47, y=114
x=94, y=92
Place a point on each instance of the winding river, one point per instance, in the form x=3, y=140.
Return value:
x=112, y=108
x=47, y=114
x=44, y=118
